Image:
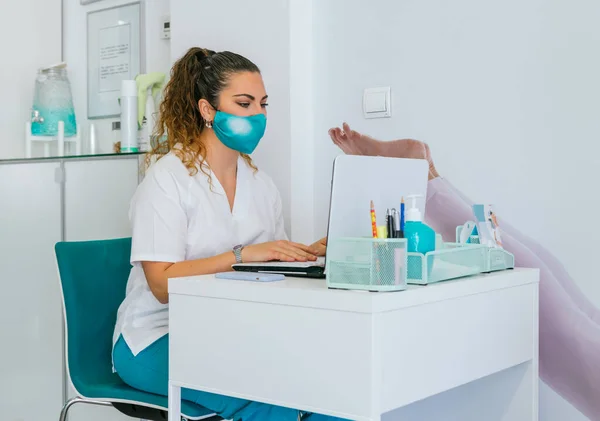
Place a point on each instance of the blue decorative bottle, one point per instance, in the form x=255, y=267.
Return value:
x=420, y=238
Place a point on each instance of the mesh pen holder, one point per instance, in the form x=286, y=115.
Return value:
x=367, y=264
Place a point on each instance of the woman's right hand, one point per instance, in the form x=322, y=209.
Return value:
x=285, y=251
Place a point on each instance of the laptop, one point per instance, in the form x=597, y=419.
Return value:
x=295, y=269
x=356, y=180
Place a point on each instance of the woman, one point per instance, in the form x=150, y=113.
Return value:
x=202, y=207
x=569, y=322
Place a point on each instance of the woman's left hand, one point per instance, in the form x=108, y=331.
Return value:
x=319, y=248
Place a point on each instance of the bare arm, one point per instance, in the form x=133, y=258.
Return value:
x=158, y=273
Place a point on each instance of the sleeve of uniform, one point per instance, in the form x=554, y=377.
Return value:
x=158, y=219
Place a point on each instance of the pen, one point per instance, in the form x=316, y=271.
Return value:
x=402, y=215
x=373, y=220
x=389, y=223
x=396, y=217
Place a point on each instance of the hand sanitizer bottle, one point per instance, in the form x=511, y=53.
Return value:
x=420, y=238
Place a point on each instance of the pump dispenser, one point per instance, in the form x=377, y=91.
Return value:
x=413, y=213
x=420, y=238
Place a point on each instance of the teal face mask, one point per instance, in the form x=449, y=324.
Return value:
x=241, y=134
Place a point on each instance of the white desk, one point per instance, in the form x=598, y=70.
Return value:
x=359, y=355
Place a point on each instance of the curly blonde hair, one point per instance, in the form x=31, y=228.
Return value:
x=199, y=74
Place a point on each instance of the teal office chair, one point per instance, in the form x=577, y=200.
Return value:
x=93, y=276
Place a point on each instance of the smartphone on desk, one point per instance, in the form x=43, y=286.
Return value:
x=250, y=276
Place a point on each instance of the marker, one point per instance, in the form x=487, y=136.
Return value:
x=373, y=220
x=389, y=223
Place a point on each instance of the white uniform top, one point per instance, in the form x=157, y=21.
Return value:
x=177, y=217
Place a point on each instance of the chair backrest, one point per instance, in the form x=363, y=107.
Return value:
x=93, y=277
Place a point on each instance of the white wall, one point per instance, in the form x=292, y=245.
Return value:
x=260, y=32
x=157, y=56
x=30, y=38
x=302, y=117
x=506, y=94
x=516, y=77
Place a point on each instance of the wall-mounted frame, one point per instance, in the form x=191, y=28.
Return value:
x=114, y=53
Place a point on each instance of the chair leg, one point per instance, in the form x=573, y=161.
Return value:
x=77, y=399
x=66, y=407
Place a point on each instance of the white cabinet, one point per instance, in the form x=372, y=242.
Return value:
x=36, y=211
x=30, y=313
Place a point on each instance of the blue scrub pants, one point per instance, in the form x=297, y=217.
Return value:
x=148, y=371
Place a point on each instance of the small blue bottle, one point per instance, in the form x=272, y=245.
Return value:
x=420, y=238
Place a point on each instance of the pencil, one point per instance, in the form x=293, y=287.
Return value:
x=373, y=220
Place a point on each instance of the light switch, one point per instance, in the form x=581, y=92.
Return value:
x=166, y=29
x=376, y=102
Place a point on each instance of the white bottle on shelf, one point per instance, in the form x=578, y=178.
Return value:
x=92, y=141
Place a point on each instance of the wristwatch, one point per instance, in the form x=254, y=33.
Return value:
x=237, y=252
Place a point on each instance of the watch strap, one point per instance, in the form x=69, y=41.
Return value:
x=237, y=252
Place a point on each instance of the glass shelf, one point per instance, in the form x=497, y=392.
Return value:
x=56, y=158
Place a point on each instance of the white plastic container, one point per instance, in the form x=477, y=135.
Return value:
x=129, y=113
x=92, y=148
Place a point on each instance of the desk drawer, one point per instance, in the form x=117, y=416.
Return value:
x=467, y=338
